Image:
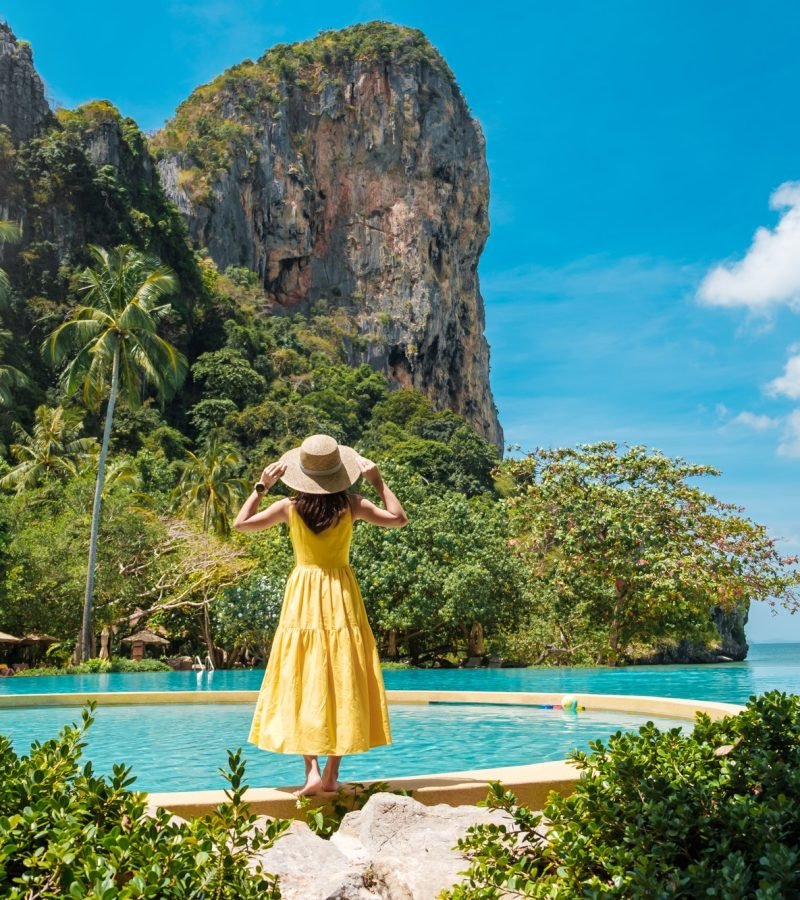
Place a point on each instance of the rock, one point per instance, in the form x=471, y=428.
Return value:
x=731, y=647
x=410, y=846
x=354, y=178
x=304, y=862
x=395, y=848
x=24, y=110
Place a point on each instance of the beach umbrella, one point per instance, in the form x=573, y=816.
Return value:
x=145, y=637
x=138, y=641
x=8, y=638
x=33, y=638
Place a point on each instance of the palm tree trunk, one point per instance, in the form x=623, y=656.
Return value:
x=88, y=643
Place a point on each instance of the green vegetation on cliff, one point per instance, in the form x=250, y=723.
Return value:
x=219, y=119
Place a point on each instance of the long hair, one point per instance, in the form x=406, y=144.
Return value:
x=320, y=511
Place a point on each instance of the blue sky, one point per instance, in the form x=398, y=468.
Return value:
x=642, y=278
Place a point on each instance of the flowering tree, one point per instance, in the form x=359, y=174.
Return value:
x=627, y=549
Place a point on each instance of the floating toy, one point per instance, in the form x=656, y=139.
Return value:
x=569, y=702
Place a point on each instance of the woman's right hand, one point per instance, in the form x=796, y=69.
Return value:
x=370, y=471
x=271, y=474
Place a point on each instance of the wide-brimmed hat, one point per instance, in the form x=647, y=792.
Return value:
x=320, y=465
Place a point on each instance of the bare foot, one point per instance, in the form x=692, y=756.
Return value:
x=330, y=787
x=311, y=787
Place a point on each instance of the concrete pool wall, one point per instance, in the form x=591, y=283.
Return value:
x=531, y=783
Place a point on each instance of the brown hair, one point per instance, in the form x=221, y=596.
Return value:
x=320, y=511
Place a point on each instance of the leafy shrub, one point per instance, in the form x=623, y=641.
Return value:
x=67, y=832
x=99, y=666
x=713, y=813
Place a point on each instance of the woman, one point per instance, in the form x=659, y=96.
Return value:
x=322, y=693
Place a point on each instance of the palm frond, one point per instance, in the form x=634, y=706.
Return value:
x=69, y=335
x=160, y=283
x=9, y=231
x=10, y=377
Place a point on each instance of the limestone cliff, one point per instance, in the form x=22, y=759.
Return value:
x=348, y=168
x=731, y=645
x=23, y=107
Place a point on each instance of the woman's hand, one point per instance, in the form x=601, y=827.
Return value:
x=272, y=474
x=369, y=470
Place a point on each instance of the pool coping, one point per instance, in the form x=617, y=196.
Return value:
x=531, y=783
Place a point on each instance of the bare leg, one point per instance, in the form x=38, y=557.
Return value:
x=313, y=783
x=331, y=774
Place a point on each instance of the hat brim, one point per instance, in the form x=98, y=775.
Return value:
x=345, y=477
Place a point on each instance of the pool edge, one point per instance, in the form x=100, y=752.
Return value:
x=531, y=783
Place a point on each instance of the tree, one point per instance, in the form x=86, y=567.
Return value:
x=209, y=483
x=111, y=342
x=629, y=551
x=426, y=586
x=10, y=376
x=52, y=450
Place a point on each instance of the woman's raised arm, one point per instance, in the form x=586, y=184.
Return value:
x=249, y=519
x=393, y=516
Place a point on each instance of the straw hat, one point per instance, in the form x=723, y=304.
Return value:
x=320, y=466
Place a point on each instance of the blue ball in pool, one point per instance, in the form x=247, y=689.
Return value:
x=569, y=702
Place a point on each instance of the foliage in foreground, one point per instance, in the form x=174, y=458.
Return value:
x=659, y=814
x=67, y=832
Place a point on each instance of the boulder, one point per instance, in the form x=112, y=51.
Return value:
x=395, y=848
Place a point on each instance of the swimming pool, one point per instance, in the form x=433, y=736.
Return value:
x=770, y=666
x=180, y=747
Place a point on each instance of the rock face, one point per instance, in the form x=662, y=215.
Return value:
x=394, y=848
x=23, y=107
x=731, y=647
x=354, y=175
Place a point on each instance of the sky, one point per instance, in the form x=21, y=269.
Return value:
x=642, y=277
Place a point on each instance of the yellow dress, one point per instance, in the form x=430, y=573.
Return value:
x=322, y=692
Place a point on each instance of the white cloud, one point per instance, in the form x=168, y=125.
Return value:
x=769, y=274
x=788, y=384
x=790, y=442
x=752, y=420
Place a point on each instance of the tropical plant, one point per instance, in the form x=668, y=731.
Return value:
x=706, y=813
x=427, y=586
x=52, y=450
x=627, y=550
x=9, y=231
x=111, y=342
x=10, y=376
x=209, y=483
x=69, y=832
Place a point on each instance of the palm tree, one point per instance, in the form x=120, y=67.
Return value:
x=9, y=231
x=50, y=451
x=10, y=377
x=208, y=483
x=111, y=343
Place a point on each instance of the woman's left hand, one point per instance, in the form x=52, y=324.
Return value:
x=272, y=473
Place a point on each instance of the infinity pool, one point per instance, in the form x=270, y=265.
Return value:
x=769, y=666
x=180, y=747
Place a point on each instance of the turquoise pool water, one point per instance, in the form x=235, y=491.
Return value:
x=181, y=747
x=769, y=666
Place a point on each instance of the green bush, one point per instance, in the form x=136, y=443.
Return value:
x=98, y=666
x=713, y=813
x=67, y=832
